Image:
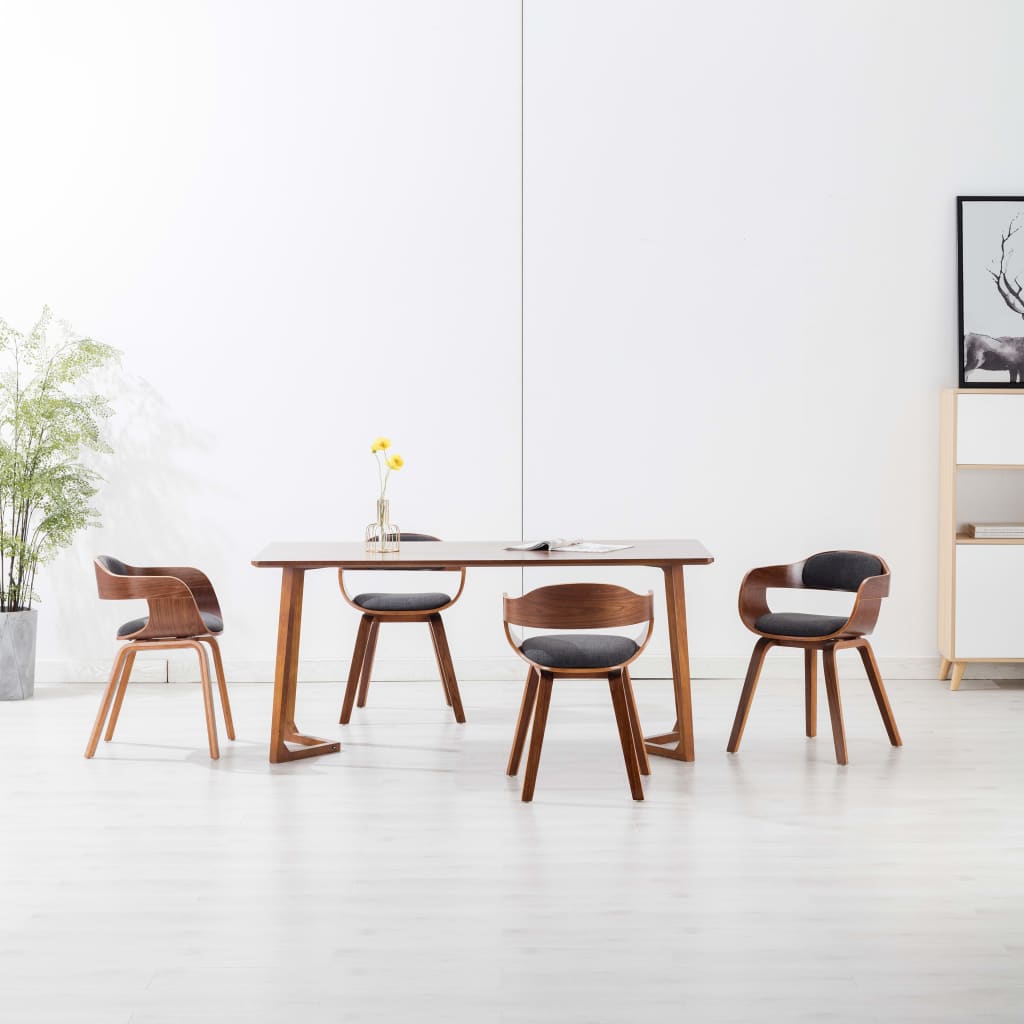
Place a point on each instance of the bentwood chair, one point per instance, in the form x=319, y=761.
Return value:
x=578, y=606
x=183, y=613
x=855, y=572
x=377, y=608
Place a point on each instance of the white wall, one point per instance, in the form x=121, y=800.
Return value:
x=301, y=223
x=741, y=277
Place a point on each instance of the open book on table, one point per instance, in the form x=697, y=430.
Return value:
x=561, y=544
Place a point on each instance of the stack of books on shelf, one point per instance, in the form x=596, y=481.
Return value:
x=996, y=531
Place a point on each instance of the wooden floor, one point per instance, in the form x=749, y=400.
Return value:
x=403, y=880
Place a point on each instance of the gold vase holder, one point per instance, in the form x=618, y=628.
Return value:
x=382, y=535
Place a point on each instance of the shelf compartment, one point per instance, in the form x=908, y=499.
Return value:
x=989, y=596
x=990, y=430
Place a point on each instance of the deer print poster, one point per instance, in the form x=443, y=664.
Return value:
x=990, y=232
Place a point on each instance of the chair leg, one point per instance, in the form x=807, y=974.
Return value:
x=211, y=721
x=747, y=694
x=355, y=668
x=634, y=723
x=523, y=722
x=867, y=655
x=540, y=721
x=108, y=696
x=835, y=708
x=222, y=686
x=445, y=657
x=367, y=668
x=615, y=684
x=119, y=699
x=811, y=692
x=440, y=668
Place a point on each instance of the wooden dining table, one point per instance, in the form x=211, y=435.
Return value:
x=295, y=559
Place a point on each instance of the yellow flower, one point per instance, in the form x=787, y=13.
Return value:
x=395, y=462
x=380, y=444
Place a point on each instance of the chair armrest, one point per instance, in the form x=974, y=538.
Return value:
x=753, y=602
x=195, y=580
x=462, y=586
x=647, y=636
x=145, y=587
x=867, y=605
x=173, y=609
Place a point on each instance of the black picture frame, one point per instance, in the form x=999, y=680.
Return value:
x=990, y=284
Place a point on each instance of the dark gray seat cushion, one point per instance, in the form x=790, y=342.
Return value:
x=401, y=602
x=840, y=570
x=213, y=623
x=579, y=650
x=799, y=624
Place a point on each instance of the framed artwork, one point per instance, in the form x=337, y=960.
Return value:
x=990, y=258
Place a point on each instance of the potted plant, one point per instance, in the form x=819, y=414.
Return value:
x=48, y=417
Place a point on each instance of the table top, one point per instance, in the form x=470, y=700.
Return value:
x=434, y=554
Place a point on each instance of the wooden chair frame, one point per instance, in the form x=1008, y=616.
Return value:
x=358, y=686
x=578, y=606
x=176, y=596
x=867, y=603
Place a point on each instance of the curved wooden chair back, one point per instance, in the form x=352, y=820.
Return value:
x=406, y=538
x=857, y=572
x=579, y=606
x=361, y=666
x=175, y=595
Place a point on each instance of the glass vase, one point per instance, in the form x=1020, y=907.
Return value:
x=382, y=535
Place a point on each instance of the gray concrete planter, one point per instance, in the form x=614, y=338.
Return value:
x=17, y=654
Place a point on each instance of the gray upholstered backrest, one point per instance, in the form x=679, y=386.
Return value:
x=840, y=570
x=113, y=565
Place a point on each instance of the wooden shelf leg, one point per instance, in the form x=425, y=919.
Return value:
x=959, y=667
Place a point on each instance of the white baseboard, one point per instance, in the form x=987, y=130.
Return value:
x=780, y=665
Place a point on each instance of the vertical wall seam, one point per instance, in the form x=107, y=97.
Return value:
x=522, y=282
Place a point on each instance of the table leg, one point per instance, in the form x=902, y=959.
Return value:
x=682, y=731
x=283, y=729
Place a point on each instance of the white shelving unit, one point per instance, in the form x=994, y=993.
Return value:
x=981, y=582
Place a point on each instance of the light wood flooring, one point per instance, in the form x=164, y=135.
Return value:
x=403, y=880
